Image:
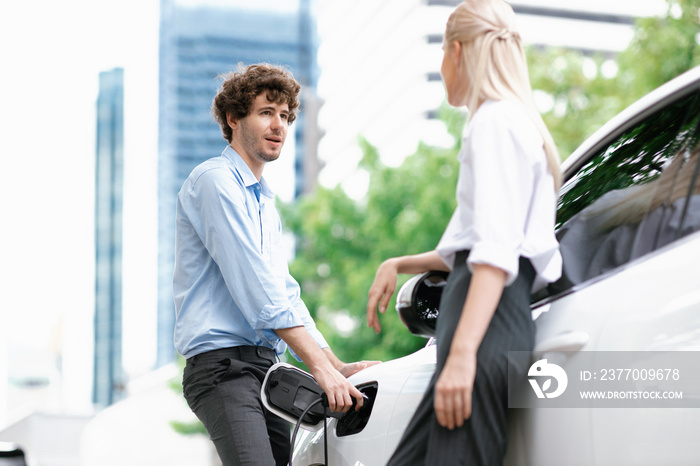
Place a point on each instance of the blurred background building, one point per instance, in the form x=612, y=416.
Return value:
x=108, y=378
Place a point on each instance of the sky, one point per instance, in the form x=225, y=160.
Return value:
x=52, y=53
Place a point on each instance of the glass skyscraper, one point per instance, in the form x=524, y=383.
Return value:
x=197, y=44
x=109, y=187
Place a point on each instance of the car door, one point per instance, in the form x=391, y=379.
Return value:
x=661, y=286
x=627, y=226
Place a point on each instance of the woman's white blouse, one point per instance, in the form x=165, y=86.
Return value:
x=506, y=203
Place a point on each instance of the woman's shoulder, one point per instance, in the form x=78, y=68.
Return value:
x=507, y=117
x=504, y=111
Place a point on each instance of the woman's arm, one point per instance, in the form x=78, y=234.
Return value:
x=453, y=391
x=384, y=283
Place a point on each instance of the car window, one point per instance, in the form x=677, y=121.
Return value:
x=633, y=196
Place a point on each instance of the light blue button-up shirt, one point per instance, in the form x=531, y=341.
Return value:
x=231, y=285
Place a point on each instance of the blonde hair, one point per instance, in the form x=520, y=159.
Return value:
x=495, y=64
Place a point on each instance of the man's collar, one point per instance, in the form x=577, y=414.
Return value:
x=248, y=178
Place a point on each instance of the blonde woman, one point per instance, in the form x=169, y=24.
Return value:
x=498, y=246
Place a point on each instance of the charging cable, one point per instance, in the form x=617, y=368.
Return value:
x=323, y=399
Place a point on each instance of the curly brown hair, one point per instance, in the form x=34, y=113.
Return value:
x=240, y=88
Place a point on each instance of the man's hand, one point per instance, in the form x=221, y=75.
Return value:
x=325, y=367
x=338, y=390
x=346, y=370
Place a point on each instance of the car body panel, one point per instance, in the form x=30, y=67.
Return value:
x=620, y=317
x=665, y=321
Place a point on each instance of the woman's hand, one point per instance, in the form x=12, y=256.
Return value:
x=384, y=284
x=453, y=390
x=381, y=291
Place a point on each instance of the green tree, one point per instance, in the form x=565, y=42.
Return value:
x=662, y=48
x=584, y=96
x=580, y=103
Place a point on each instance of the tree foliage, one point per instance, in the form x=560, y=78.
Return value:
x=588, y=91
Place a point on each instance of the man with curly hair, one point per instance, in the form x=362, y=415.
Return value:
x=238, y=308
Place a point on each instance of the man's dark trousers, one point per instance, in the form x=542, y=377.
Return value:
x=222, y=387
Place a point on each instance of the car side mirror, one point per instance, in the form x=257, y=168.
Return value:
x=418, y=302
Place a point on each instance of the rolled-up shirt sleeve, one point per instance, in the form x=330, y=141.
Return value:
x=294, y=294
x=505, y=196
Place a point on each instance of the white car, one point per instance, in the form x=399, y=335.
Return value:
x=628, y=224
